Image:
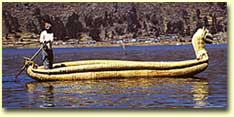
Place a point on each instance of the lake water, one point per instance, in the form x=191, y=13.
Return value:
x=205, y=90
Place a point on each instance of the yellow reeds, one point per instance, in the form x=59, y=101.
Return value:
x=104, y=69
x=178, y=72
x=109, y=65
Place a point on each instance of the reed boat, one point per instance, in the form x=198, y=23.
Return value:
x=106, y=69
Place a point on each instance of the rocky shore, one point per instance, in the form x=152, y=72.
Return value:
x=111, y=24
x=26, y=41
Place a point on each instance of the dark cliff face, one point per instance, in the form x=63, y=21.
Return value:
x=103, y=21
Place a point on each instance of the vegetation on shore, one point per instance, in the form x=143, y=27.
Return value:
x=112, y=24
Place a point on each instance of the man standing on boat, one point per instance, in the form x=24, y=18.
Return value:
x=46, y=39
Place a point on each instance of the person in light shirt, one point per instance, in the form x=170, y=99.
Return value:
x=46, y=39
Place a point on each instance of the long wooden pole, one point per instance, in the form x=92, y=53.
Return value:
x=32, y=58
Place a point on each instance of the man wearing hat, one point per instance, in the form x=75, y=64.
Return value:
x=46, y=39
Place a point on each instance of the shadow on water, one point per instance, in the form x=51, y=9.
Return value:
x=137, y=93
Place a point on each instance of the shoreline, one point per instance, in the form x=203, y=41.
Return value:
x=27, y=40
x=102, y=44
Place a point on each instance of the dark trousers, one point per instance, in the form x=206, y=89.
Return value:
x=47, y=57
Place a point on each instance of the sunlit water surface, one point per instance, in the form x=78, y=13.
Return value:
x=205, y=90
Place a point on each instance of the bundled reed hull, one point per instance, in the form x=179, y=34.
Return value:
x=106, y=69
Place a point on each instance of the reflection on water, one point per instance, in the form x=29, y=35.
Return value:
x=200, y=93
x=182, y=92
x=206, y=90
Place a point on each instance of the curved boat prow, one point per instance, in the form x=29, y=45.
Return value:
x=198, y=42
x=105, y=69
